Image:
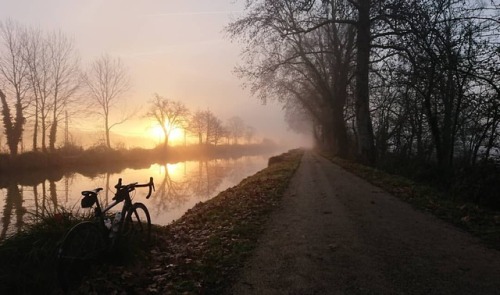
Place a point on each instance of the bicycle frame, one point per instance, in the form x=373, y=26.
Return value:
x=122, y=194
x=100, y=214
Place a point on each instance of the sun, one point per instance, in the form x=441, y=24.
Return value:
x=157, y=132
x=176, y=135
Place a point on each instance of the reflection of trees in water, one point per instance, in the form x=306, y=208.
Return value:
x=200, y=182
x=45, y=201
x=204, y=181
x=169, y=194
x=190, y=183
x=14, y=200
x=107, y=189
x=242, y=167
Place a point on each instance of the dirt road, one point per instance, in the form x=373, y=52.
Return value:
x=337, y=234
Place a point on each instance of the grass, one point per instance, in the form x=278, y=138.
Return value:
x=28, y=258
x=480, y=221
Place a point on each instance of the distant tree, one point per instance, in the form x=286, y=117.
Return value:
x=14, y=75
x=107, y=81
x=219, y=132
x=298, y=118
x=249, y=134
x=215, y=129
x=168, y=114
x=235, y=128
x=207, y=127
x=303, y=52
x=197, y=125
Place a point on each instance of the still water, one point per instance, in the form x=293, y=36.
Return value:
x=179, y=186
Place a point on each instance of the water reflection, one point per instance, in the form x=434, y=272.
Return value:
x=179, y=186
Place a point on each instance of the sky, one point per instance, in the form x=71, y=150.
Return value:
x=176, y=48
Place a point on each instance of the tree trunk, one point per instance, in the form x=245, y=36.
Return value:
x=53, y=128
x=35, y=128
x=13, y=128
x=53, y=136
x=108, y=142
x=366, y=146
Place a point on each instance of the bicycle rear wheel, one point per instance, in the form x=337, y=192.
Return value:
x=82, y=246
x=137, y=224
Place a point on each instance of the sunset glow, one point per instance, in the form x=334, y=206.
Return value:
x=176, y=135
x=176, y=49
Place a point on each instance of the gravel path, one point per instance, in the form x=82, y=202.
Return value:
x=337, y=234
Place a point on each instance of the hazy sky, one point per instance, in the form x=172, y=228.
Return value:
x=175, y=48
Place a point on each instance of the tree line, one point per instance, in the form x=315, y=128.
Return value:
x=377, y=79
x=205, y=126
x=43, y=86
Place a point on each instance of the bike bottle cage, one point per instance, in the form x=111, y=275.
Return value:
x=89, y=199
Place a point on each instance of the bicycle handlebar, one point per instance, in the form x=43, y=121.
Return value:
x=131, y=186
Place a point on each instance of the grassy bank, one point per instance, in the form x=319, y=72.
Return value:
x=480, y=221
x=27, y=259
x=199, y=253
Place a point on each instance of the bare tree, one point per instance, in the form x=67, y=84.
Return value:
x=205, y=125
x=197, y=125
x=302, y=52
x=168, y=114
x=366, y=144
x=249, y=134
x=107, y=81
x=14, y=75
x=235, y=128
x=35, y=56
x=64, y=66
x=54, y=78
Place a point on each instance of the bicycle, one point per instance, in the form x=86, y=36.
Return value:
x=85, y=242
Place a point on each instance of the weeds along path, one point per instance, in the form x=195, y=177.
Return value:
x=337, y=234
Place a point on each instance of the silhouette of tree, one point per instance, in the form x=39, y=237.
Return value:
x=107, y=81
x=14, y=73
x=235, y=128
x=168, y=114
x=205, y=125
x=54, y=78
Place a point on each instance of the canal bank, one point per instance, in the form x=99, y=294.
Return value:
x=199, y=252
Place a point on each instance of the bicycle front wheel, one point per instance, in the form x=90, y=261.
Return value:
x=137, y=224
x=81, y=247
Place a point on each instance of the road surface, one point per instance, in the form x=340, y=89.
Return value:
x=337, y=234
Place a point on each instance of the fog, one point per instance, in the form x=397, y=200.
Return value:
x=174, y=48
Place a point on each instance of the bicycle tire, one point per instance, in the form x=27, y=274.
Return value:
x=81, y=247
x=137, y=224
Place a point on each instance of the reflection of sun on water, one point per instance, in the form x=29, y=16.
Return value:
x=174, y=169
